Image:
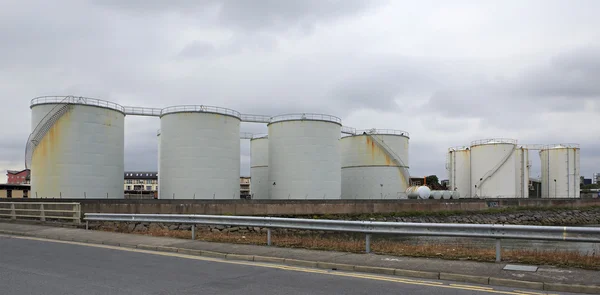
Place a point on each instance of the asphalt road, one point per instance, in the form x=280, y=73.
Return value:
x=43, y=267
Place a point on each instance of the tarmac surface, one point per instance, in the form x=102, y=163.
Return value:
x=126, y=261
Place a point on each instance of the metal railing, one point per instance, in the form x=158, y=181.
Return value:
x=255, y=118
x=42, y=211
x=493, y=141
x=200, y=109
x=348, y=130
x=306, y=116
x=246, y=135
x=77, y=100
x=492, y=231
x=383, y=132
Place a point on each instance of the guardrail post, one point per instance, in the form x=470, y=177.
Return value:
x=193, y=231
x=87, y=225
x=368, y=243
x=268, y=237
x=13, y=213
x=498, y=251
x=42, y=214
x=77, y=213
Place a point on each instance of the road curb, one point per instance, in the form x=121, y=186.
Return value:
x=573, y=288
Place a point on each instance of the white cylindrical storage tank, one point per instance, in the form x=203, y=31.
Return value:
x=499, y=169
x=199, y=153
x=304, y=157
x=81, y=152
x=375, y=165
x=560, y=171
x=158, y=163
x=459, y=170
x=259, y=167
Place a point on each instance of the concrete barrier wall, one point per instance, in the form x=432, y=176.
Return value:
x=311, y=207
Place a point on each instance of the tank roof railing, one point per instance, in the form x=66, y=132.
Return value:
x=77, y=100
x=306, y=116
x=383, y=132
x=560, y=146
x=348, y=130
x=493, y=141
x=246, y=135
x=200, y=109
x=458, y=148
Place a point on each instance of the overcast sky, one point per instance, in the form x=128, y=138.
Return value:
x=448, y=72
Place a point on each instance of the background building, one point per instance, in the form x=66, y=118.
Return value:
x=18, y=177
x=596, y=178
x=244, y=187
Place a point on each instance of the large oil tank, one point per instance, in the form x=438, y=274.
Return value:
x=375, y=164
x=199, y=153
x=304, y=157
x=499, y=169
x=458, y=165
x=259, y=167
x=560, y=171
x=78, y=149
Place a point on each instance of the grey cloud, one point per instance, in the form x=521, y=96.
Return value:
x=260, y=15
x=239, y=43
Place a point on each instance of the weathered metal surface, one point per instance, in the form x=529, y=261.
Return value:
x=369, y=171
x=304, y=158
x=81, y=155
x=560, y=171
x=459, y=170
x=259, y=168
x=499, y=169
x=199, y=155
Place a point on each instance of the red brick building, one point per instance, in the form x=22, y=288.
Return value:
x=17, y=177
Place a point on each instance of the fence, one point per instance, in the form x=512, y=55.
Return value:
x=492, y=231
x=42, y=211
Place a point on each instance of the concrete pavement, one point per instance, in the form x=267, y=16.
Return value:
x=546, y=278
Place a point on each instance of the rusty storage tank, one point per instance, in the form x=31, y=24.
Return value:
x=158, y=162
x=76, y=148
x=304, y=157
x=199, y=153
x=458, y=166
x=499, y=169
x=560, y=171
x=259, y=167
x=375, y=164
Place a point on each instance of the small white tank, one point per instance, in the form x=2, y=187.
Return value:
x=560, y=171
x=420, y=192
x=259, y=167
x=436, y=195
x=458, y=166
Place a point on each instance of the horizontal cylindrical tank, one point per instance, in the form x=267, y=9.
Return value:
x=499, y=169
x=259, y=167
x=560, y=171
x=304, y=157
x=81, y=153
x=419, y=192
x=375, y=165
x=199, y=153
x=459, y=170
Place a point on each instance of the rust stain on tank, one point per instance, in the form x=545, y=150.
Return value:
x=375, y=150
x=46, y=157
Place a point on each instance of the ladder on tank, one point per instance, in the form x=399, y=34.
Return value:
x=46, y=123
x=395, y=158
x=493, y=171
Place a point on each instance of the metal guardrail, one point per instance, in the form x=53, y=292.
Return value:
x=41, y=210
x=493, y=231
x=493, y=141
x=255, y=118
x=383, y=132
